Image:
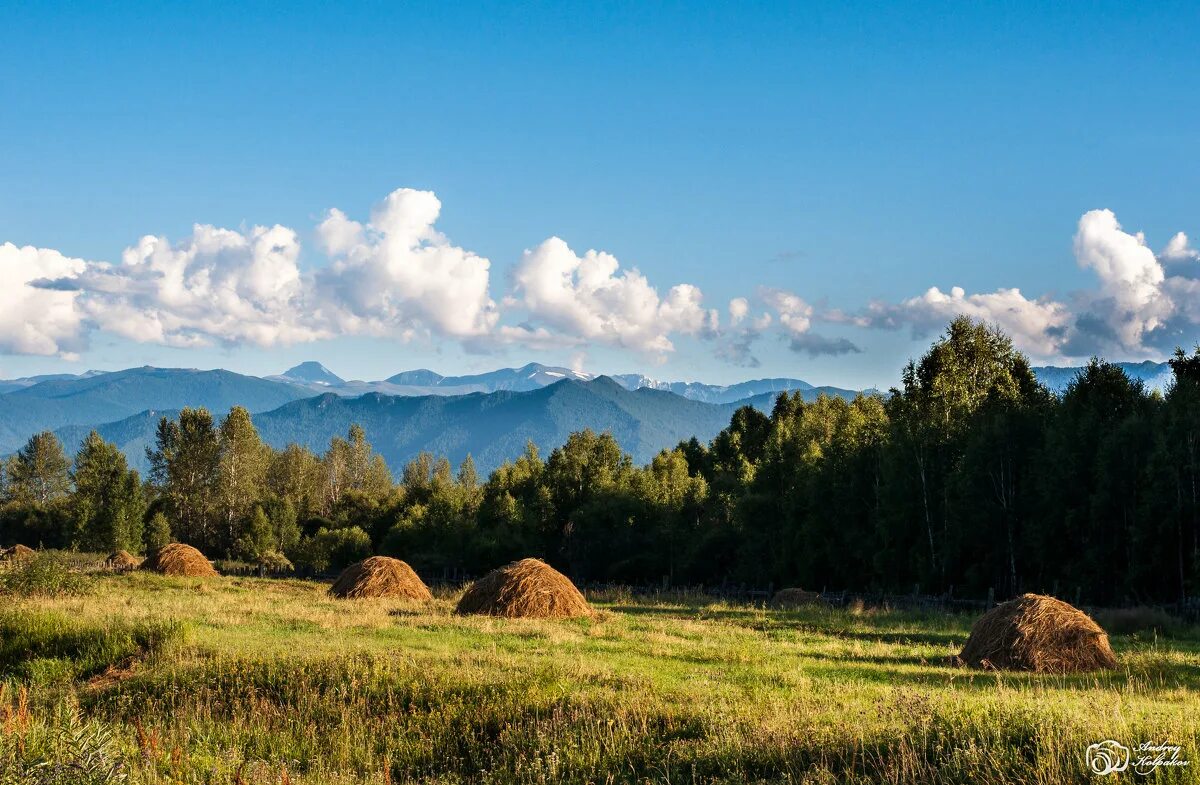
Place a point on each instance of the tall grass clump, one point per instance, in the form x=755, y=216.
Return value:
x=45, y=575
x=58, y=747
x=47, y=645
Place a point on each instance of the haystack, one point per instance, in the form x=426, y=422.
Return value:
x=795, y=598
x=1040, y=634
x=178, y=559
x=526, y=588
x=121, y=561
x=17, y=553
x=380, y=576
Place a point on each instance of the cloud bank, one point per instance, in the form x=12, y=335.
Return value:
x=1142, y=304
x=395, y=275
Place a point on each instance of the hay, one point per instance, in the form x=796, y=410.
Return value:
x=527, y=588
x=178, y=559
x=380, y=576
x=121, y=561
x=795, y=598
x=17, y=553
x=1040, y=634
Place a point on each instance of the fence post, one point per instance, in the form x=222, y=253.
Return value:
x=991, y=596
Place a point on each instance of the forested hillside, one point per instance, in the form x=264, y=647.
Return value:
x=969, y=476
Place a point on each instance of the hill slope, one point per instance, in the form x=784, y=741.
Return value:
x=1157, y=376
x=102, y=398
x=492, y=427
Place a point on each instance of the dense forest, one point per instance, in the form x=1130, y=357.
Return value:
x=970, y=476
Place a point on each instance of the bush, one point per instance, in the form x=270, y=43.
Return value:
x=333, y=549
x=45, y=575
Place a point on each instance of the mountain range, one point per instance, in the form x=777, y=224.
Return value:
x=1157, y=376
x=489, y=415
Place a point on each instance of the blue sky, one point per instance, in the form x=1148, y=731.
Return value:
x=842, y=156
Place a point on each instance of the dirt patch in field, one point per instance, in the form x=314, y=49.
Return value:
x=112, y=676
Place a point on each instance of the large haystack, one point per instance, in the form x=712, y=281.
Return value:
x=526, y=588
x=178, y=559
x=1040, y=634
x=121, y=561
x=795, y=598
x=380, y=576
x=17, y=553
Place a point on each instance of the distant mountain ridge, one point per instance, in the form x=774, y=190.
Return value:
x=116, y=401
x=93, y=399
x=532, y=376
x=1157, y=376
x=491, y=427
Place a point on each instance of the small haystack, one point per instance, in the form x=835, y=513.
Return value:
x=380, y=576
x=1040, y=634
x=526, y=588
x=795, y=598
x=121, y=561
x=17, y=553
x=178, y=559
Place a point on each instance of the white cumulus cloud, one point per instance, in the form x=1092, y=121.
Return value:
x=35, y=319
x=392, y=275
x=591, y=298
x=217, y=285
x=398, y=274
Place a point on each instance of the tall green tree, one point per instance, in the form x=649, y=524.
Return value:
x=108, y=504
x=35, y=507
x=39, y=473
x=931, y=414
x=185, y=469
x=295, y=477
x=241, y=473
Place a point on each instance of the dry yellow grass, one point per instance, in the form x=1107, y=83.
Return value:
x=179, y=560
x=380, y=576
x=1040, y=634
x=17, y=553
x=528, y=588
x=121, y=561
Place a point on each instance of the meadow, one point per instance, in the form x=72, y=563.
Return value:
x=142, y=678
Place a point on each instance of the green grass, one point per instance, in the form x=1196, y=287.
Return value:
x=158, y=680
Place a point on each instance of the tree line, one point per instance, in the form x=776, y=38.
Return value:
x=969, y=476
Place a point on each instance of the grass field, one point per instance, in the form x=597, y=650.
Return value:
x=157, y=680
